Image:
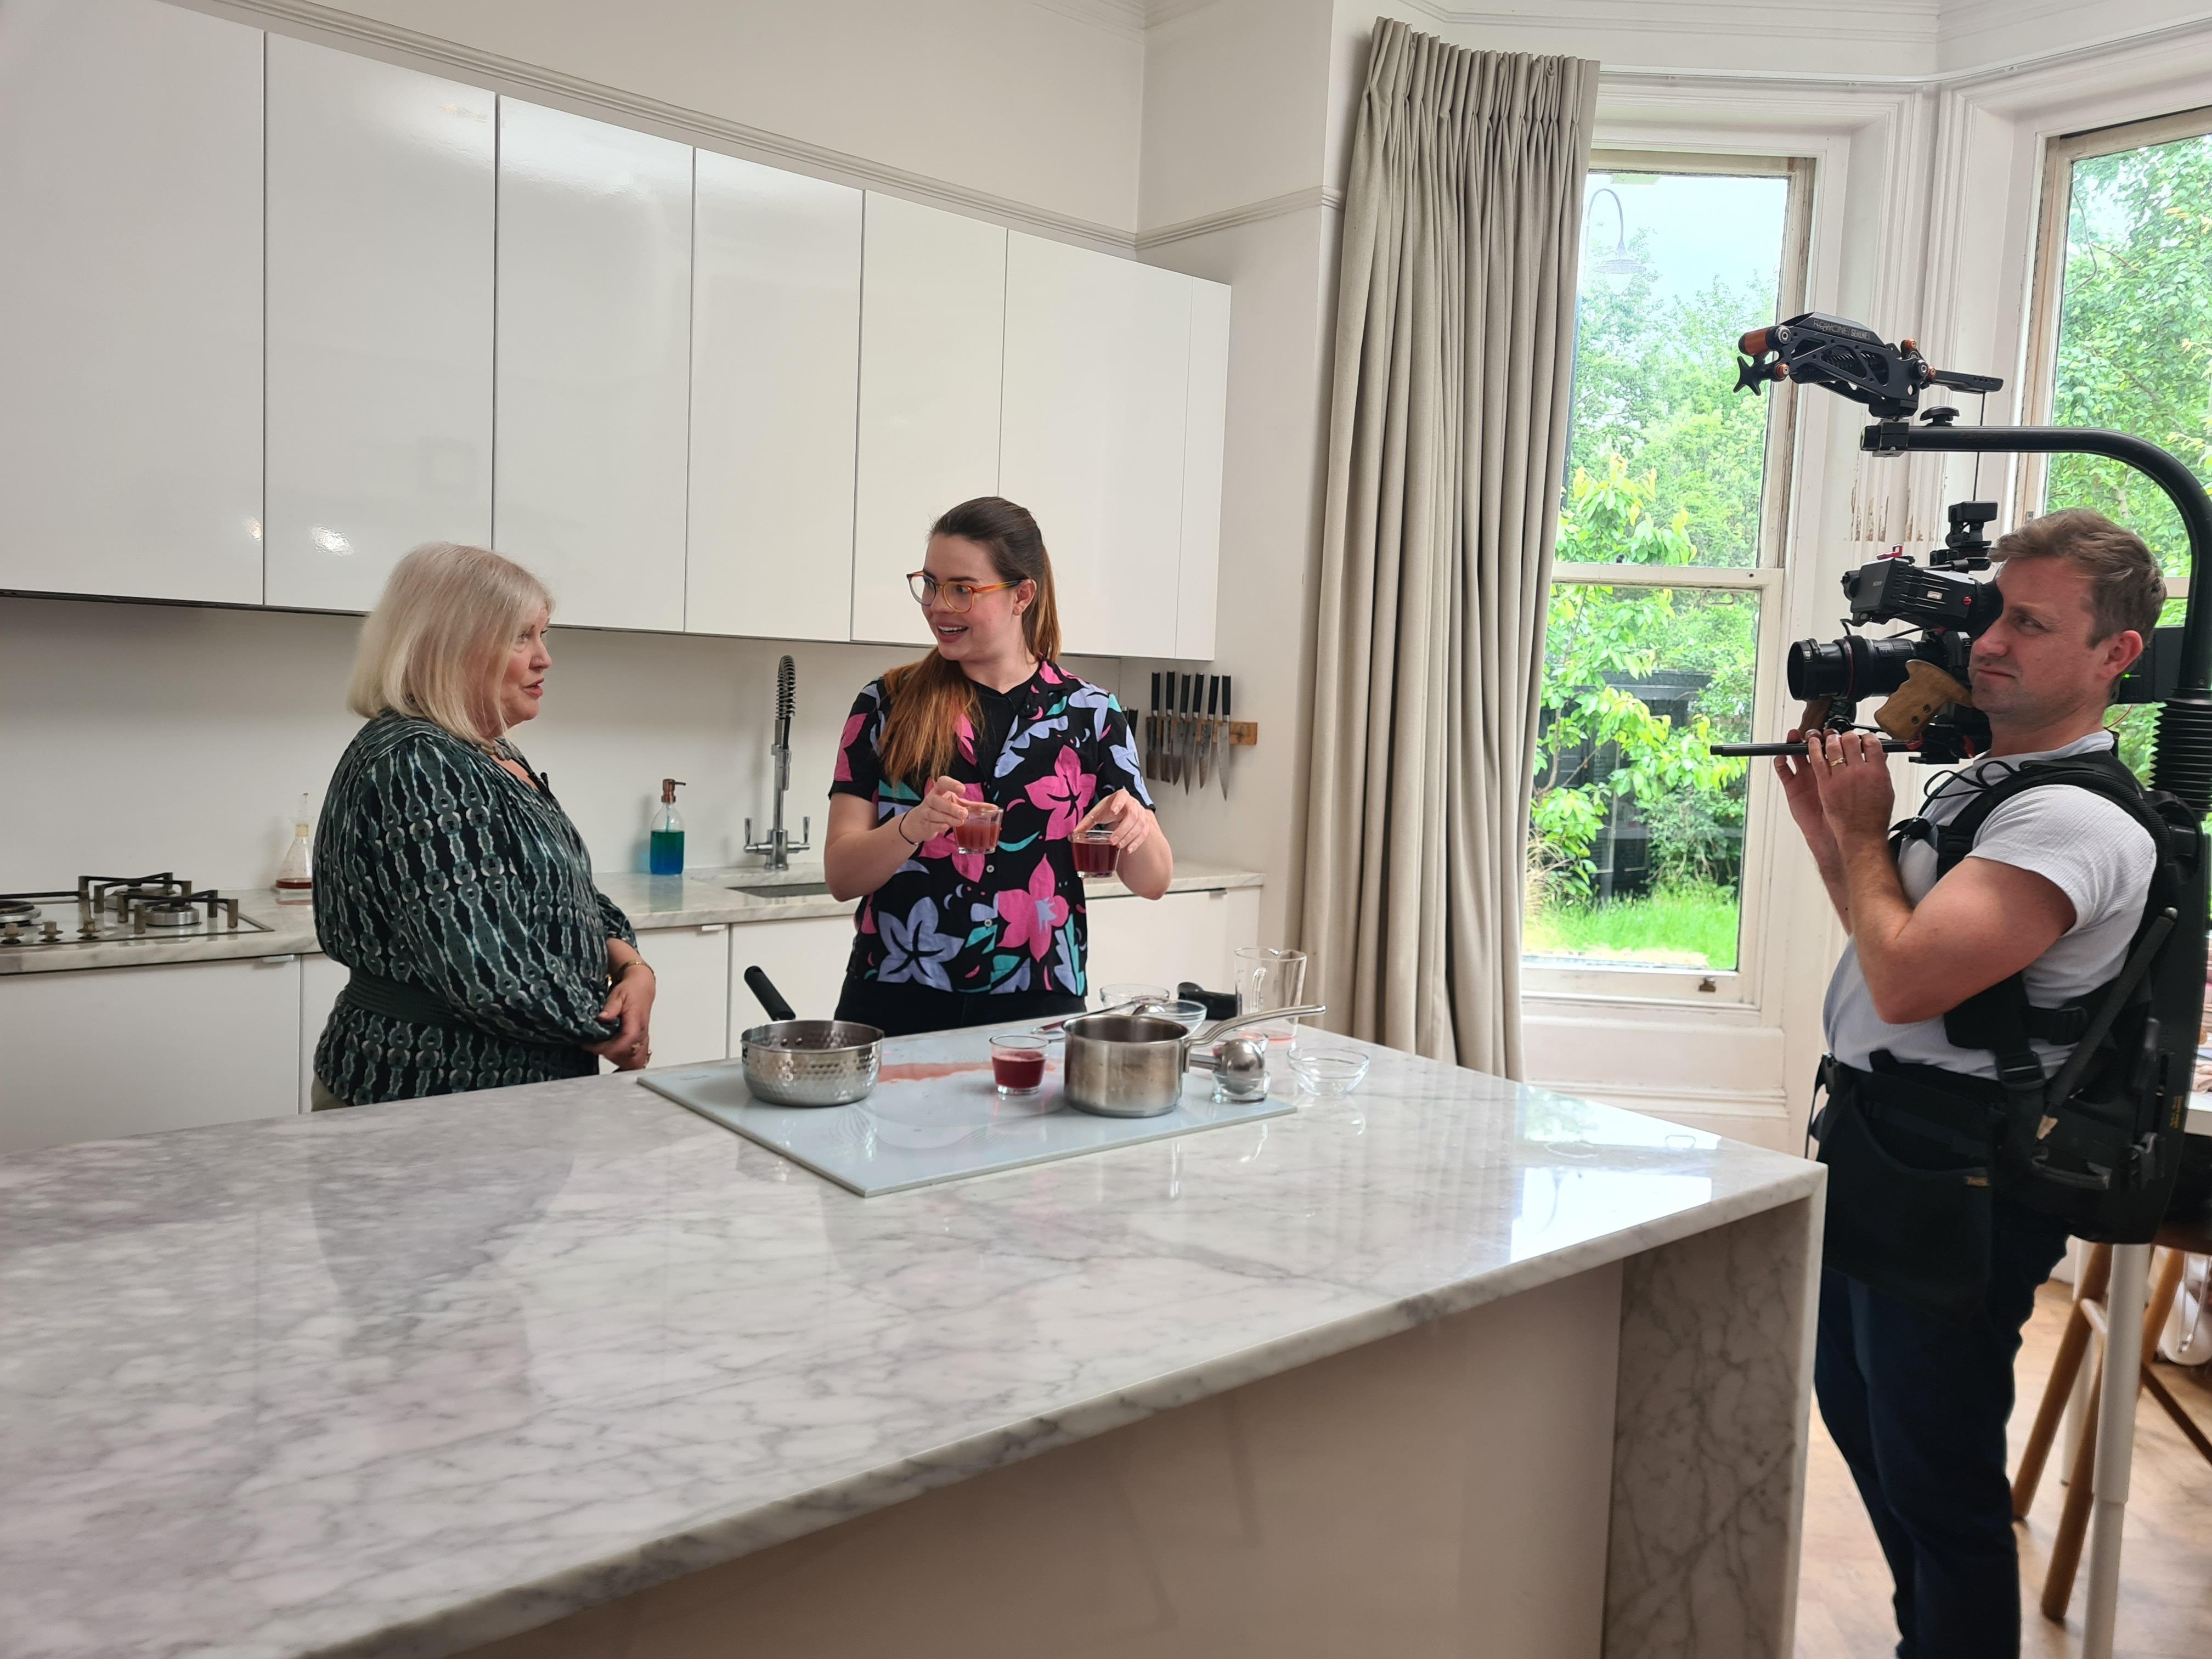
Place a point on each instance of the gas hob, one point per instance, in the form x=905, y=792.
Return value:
x=117, y=910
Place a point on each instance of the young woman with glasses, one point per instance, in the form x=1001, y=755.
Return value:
x=948, y=937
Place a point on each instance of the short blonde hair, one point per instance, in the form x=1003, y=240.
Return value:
x=2126, y=591
x=433, y=647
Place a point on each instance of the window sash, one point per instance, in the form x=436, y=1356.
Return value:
x=2047, y=298
x=1653, y=984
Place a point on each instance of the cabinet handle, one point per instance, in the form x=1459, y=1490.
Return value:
x=277, y=961
x=1217, y=892
x=715, y=928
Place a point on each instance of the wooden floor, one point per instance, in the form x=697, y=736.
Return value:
x=2166, y=1572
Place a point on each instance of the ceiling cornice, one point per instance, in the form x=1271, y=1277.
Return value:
x=1125, y=20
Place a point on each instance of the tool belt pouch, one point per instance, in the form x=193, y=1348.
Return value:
x=1909, y=1199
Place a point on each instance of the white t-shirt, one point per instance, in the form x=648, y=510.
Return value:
x=2097, y=855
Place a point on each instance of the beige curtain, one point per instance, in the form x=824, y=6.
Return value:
x=1455, y=354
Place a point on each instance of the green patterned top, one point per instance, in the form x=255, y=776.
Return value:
x=437, y=867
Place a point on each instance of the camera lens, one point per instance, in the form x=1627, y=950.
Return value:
x=1851, y=666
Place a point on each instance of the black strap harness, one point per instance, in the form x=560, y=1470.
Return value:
x=2085, y=1140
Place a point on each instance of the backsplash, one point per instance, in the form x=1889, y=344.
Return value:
x=142, y=737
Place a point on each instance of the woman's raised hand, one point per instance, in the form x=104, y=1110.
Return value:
x=1132, y=824
x=939, y=812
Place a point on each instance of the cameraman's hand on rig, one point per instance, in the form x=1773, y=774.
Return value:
x=1850, y=772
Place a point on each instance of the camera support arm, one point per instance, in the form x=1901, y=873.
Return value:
x=2183, y=763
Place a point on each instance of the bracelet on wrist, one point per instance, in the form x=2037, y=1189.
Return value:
x=899, y=824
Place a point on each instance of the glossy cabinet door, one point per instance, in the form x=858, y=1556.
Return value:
x=1096, y=387
x=381, y=205
x=594, y=364
x=1164, y=942
x=1205, y=427
x=775, y=364
x=130, y=301
x=320, y=981
x=207, y=1043
x=691, y=994
x=932, y=324
x=803, y=959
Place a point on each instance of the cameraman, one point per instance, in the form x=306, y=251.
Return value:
x=1922, y=1305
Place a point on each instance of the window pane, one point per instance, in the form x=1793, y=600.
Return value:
x=1675, y=266
x=2134, y=330
x=1636, y=849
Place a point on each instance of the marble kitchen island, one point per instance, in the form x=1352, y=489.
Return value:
x=1452, y=1367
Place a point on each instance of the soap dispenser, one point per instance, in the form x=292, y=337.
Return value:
x=667, y=835
x=296, y=881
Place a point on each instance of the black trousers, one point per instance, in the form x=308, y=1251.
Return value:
x=908, y=1010
x=1918, y=1404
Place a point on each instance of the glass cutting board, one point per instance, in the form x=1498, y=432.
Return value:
x=935, y=1115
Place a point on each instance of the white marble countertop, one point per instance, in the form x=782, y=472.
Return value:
x=403, y=1379
x=697, y=898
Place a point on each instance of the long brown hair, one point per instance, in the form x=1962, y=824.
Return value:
x=929, y=699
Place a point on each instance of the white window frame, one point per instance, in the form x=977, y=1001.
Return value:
x=2046, y=296
x=1658, y=986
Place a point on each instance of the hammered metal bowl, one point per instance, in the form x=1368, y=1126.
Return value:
x=810, y=1063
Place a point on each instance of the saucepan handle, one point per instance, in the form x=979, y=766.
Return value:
x=770, y=997
x=1211, y=1032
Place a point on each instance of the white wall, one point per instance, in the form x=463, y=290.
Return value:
x=1234, y=102
x=145, y=737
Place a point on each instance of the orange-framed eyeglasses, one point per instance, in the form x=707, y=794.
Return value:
x=958, y=596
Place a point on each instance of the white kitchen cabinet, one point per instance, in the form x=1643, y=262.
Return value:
x=932, y=330
x=1204, y=429
x=691, y=992
x=803, y=959
x=130, y=301
x=594, y=299
x=1182, y=936
x=1097, y=389
x=775, y=354
x=121, y=1051
x=320, y=981
x=380, y=374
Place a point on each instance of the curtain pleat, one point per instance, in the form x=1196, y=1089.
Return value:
x=1448, y=427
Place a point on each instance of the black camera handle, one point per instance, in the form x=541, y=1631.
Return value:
x=2182, y=761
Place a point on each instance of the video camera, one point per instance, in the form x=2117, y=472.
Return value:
x=1943, y=608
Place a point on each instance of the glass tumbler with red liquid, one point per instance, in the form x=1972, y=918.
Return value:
x=1018, y=1064
x=1095, y=851
x=979, y=831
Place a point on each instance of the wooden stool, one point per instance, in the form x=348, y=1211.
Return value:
x=2178, y=1241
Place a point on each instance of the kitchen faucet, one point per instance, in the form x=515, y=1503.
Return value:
x=778, y=846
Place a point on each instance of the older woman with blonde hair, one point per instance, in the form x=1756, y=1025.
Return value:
x=447, y=878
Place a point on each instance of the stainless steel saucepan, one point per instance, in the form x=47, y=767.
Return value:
x=1133, y=1065
x=807, y=1062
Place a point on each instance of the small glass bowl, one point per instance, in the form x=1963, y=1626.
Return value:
x=1188, y=1015
x=1330, y=1074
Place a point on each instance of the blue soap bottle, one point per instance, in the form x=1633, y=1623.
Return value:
x=666, y=840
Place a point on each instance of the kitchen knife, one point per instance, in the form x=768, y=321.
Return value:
x=1152, y=731
x=1189, y=729
x=1174, y=764
x=1222, y=765
x=1175, y=727
x=1207, y=751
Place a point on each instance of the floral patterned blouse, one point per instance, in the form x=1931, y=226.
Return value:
x=1013, y=920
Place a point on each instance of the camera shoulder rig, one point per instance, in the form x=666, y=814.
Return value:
x=2099, y=1145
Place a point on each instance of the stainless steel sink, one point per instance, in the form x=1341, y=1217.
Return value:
x=782, y=889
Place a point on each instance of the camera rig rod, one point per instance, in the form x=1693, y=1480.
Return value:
x=2183, y=763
